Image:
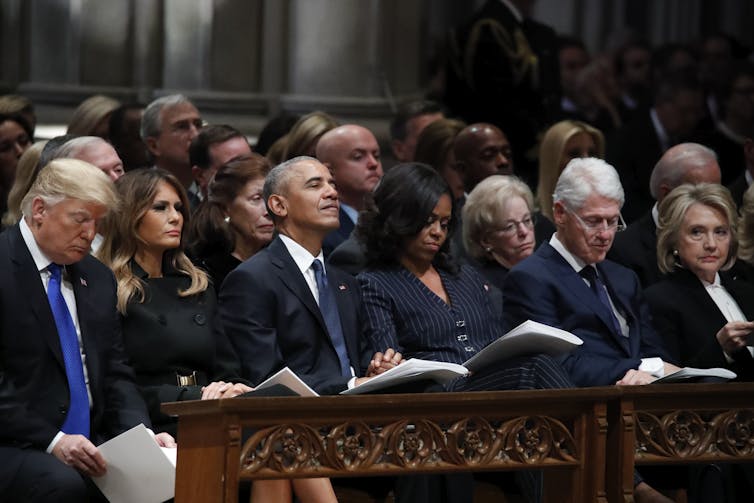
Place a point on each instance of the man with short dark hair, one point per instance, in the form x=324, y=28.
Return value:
x=408, y=124
x=213, y=147
x=482, y=150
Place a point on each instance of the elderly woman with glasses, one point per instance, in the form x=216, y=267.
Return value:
x=701, y=312
x=498, y=225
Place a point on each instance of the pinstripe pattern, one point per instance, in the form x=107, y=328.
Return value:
x=402, y=313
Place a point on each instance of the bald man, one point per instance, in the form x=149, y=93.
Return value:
x=352, y=154
x=482, y=150
x=636, y=247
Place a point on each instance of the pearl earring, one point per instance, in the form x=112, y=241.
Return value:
x=226, y=220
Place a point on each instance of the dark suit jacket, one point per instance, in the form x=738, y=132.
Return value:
x=339, y=235
x=634, y=150
x=34, y=394
x=272, y=320
x=636, y=248
x=688, y=319
x=349, y=256
x=489, y=77
x=545, y=288
x=738, y=188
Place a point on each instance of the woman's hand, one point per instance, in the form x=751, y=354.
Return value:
x=382, y=362
x=221, y=389
x=732, y=337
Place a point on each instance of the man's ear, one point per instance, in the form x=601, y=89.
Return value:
x=558, y=213
x=38, y=209
x=398, y=149
x=278, y=205
x=152, y=146
x=197, y=174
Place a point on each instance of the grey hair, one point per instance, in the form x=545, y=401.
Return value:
x=676, y=162
x=151, y=121
x=583, y=177
x=276, y=180
x=73, y=148
x=71, y=179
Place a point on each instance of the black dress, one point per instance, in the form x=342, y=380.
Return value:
x=168, y=335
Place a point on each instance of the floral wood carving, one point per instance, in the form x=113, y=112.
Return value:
x=689, y=434
x=407, y=444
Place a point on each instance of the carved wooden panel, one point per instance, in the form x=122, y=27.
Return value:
x=691, y=434
x=409, y=444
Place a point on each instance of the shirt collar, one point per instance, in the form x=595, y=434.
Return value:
x=662, y=135
x=352, y=212
x=714, y=284
x=514, y=10
x=40, y=259
x=301, y=255
x=656, y=214
x=576, y=263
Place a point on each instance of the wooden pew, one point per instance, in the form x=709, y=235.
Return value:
x=677, y=424
x=561, y=431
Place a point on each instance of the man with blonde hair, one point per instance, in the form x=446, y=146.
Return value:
x=65, y=386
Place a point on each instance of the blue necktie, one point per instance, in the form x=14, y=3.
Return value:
x=329, y=310
x=77, y=420
x=598, y=287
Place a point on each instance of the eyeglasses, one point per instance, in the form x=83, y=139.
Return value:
x=511, y=226
x=597, y=224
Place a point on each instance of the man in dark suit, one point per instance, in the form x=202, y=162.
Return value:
x=64, y=382
x=634, y=148
x=272, y=305
x=636, y=247
x=352, y=154
x=567, y=283
x=503, y=68
x=741, y=184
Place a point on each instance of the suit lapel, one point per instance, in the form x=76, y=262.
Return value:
x=31, y=288
x=84, y=305
x=291, y=276
x=622, y=303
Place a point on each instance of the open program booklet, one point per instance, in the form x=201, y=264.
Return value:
x=690, y=374
x=530, y=337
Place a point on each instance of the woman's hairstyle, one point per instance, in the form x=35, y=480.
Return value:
x=672, y=211
x=137, y=190
x=27, y=170
x=20, y=120
x=90, y=114
x=398, y=210
x=583, y=177
x=71, y=179
x=482, y=211
x=550, y=153
x=209, y=233
x=746, y=240
x=436, y=140
x=306, y=132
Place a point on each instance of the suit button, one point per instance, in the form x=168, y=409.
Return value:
x=200, y=319
x=162, y=319
x=63, y=409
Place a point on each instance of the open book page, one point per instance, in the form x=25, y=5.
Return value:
x=530, y=337
x=289, y=379
x=138, y=471
x=687, y=374
x=410, y=370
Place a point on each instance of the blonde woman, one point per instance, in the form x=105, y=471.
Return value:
x=26, y=172
x=92, y=116
x=303, y=137
x=562, y=142
x=168, y=307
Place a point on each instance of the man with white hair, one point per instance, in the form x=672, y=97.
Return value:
x=93, y=150
x=567, y=283
x=636, y=248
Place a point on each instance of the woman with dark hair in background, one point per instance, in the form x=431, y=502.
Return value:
x=15, y=138
x=232, y=224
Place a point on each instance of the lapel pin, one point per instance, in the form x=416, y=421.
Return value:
x=83, y=282
x=342, y=287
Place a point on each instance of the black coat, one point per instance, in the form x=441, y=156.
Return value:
x=636, y=248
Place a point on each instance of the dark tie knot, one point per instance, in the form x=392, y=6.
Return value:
x=317, y=265
x=589, y=273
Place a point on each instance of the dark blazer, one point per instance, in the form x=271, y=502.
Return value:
x=688, y=319
x=349, y=256
x=636, y=248
x=34, y=394
x=168, y=335
x=339, y=235
x=545, y=288
x=633, y=150
x=272, y=320
x=738, y=188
